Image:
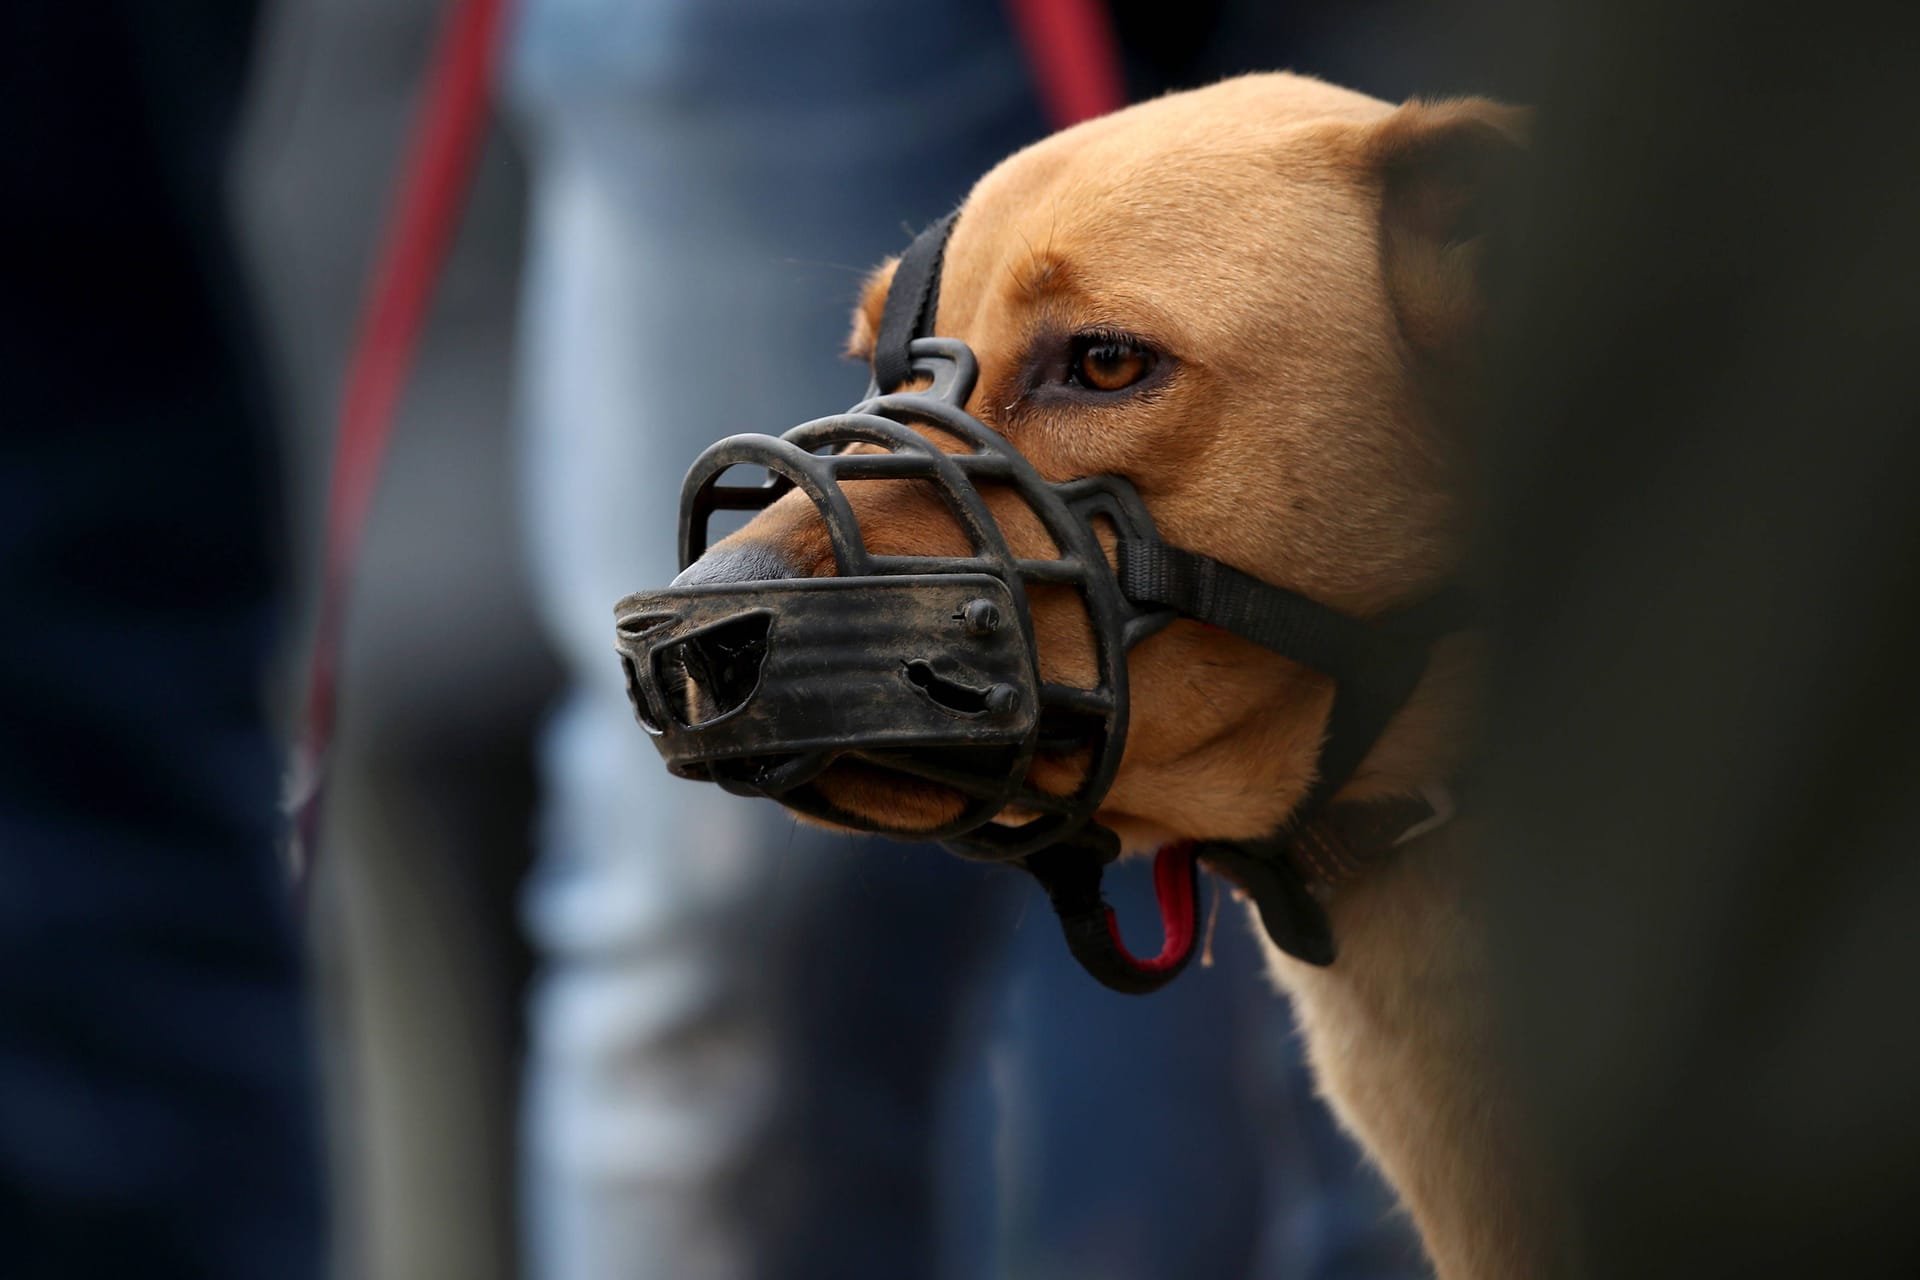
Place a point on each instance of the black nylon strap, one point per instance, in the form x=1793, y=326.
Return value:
x=912, y=301
x=1375, y=666
x=1272, y=617
x=1367, y=701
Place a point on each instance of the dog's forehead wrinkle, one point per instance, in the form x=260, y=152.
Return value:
x=1209, y=135
x=1176, y=171
x=1299, y=270
x=1039, y=273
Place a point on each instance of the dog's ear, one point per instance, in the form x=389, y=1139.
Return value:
x=1441, y=167
x=866, y=313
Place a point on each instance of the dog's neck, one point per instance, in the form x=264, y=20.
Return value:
x=1401, y=1033
x=1400, y=1028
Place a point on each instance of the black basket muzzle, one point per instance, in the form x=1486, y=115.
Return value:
x=921, y=668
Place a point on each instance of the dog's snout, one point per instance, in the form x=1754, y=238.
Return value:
x=713, y=672
x=739, y=562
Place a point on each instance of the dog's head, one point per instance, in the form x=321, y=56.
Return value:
x=1257, y=302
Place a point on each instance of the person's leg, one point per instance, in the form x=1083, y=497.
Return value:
x=1701, y=559
x=740, y=1027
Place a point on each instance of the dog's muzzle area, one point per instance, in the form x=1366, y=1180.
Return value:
x=920, y=669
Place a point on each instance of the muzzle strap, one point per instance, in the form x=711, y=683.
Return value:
x=912, y=301
x=1274, y=618
x=1375, y=667
x=1364, y=705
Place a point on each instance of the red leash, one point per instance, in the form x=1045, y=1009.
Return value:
x=447, y=133
x=1174, y=888
x=1075, y=57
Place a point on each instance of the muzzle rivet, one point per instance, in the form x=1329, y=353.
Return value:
x=1002, y=698
x=981, y=618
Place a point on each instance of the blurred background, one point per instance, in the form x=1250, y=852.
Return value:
x=548, y=1014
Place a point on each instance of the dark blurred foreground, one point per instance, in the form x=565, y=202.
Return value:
x=1705, y=547
x=156, y=1065
x=1701, y=552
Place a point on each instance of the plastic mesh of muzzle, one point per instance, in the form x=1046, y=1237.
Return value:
x=1065, y=510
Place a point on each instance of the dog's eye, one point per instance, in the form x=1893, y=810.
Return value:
x=1103, y=362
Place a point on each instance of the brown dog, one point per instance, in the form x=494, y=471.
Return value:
x=1258, y=302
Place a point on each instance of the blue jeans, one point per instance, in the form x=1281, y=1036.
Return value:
x=757, y=1049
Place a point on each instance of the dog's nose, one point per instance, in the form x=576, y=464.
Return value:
x=713, y=672
x=738, y=562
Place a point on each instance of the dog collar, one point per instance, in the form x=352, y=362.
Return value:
x=1288, y=880
x=925, y=667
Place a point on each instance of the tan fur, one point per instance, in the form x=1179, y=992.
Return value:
x=1305, y=255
